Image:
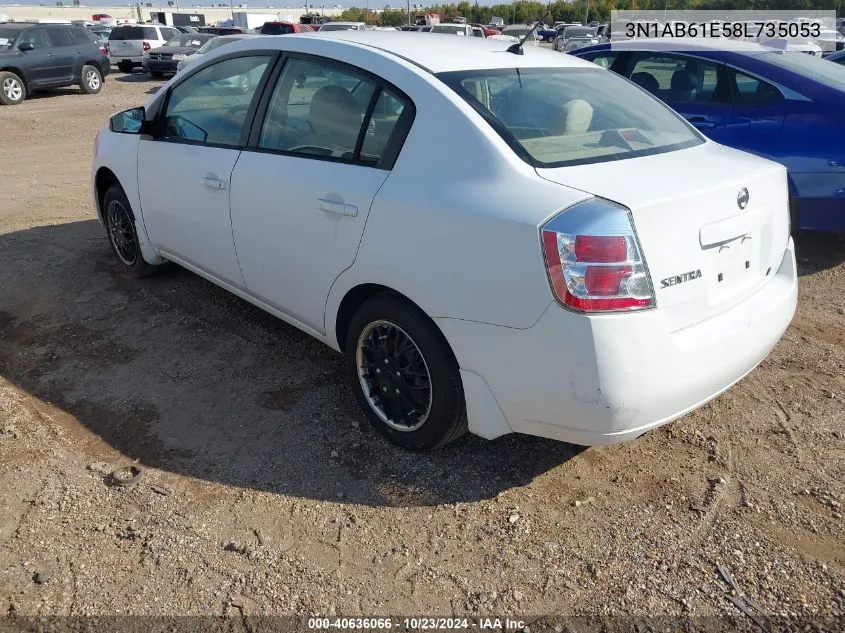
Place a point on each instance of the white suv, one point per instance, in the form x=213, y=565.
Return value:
x=128, y=43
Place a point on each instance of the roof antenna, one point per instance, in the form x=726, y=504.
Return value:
x=516, y=49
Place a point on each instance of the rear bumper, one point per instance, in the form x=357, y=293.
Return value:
x=135, y=60
x=818, y=201
x=610, y=378
x=163, y=66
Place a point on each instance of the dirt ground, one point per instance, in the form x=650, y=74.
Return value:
x=264, y=490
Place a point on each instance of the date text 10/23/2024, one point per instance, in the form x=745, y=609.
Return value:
x=416, y=624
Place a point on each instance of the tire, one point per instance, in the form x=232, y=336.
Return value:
x=125, y=68
x=434, y=385
x=92, y=80
x=120, y=231
x=12, y=89
x=156, y=75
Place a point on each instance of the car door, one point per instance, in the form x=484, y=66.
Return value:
x=39, y=64
x=302, y=191
x=696, y=88
x=64, y=50
x=185, y=166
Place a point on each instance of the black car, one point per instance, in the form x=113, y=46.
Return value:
x=37, y=56
x=165, y=59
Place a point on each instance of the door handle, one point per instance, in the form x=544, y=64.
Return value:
x=213, y=182
x=702, y=121
x=339, y=208
x=51, y=54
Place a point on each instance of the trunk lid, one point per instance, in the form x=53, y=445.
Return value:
x=704, y=253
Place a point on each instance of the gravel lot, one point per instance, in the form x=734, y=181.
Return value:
x=264, y=491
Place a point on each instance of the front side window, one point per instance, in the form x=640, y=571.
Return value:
x=319, y=110
x=37, y=37
x=554, y=117
x=212, y=105
x=679, y=79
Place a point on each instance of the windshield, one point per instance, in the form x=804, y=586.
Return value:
x=216, y=42
x=7, y=37
x=133, y=33
x=575, y=44
x=554, y=117
x=810, y=66
x=194, y=40
x=519, y=32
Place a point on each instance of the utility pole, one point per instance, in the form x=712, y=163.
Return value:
x=409, y=11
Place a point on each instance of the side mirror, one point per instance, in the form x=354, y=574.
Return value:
x=128, y=121
x=25, y=46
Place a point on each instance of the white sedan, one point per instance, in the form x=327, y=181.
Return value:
x=582, y=265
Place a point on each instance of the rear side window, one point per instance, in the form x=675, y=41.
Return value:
x=62, y=37
x=318, y=110
x=82, y=37
x=133, y=33
x=553, y=117
x=752, y=90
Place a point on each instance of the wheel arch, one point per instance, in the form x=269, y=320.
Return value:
x=103, y=180
x=17, y=71
x=356, y=296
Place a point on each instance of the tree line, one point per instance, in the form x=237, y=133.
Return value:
x=524, y=11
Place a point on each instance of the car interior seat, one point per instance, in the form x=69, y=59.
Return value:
x=573, y=117
x=683, y=86
x=647, y=81
x=335, y=118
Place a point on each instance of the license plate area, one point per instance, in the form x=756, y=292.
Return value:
x=734, y=266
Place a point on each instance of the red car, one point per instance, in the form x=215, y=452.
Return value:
x=488, y=30
x=284, y=28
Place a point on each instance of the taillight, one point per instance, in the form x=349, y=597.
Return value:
x=594, y=260
x=146, y=46
x=104, y=50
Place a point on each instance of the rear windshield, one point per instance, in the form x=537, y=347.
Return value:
x=553, y=117
x=815, y=68
x=338, y=27
x=276, y=29
x=133, y=33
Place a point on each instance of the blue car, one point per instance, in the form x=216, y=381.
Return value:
x=786, y=106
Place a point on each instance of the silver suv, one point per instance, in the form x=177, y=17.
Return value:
x=128, y=43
